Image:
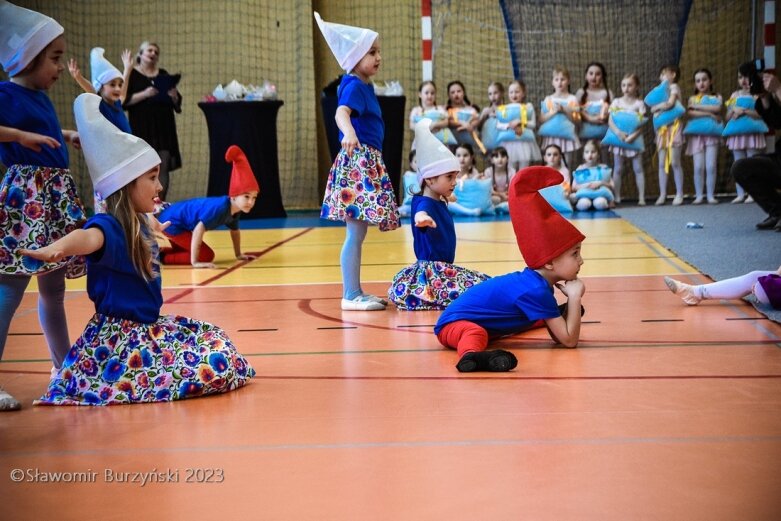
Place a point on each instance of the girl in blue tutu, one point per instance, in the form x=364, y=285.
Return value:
x=129, y=353
x=433, y=281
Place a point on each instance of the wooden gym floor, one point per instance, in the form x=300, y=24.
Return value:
x=663, y=412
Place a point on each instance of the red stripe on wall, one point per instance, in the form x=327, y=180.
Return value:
x=426, y=47
x=770, y=34
x=425, y=7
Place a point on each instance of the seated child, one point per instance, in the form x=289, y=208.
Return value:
x=472, y=195
x=499, y=173
x=191, y=218
x=516, y=302
x=129, y=353
x=409, y=184
x=592, y=183
x=764, y=285
x=558, y=195
x=432, y=282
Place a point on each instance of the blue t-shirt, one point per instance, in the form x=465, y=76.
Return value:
x=32, y=111
x=113, y=283
x=433, y=244
x=505, y=304
x=115, y=115
x=212, y=211
x=366, y=116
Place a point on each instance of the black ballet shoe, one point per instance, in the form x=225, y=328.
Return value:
x=495, y=361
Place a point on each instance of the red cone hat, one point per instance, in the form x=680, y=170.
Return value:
x=242, y=178
x=542, y=233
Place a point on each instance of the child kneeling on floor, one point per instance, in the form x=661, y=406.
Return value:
x=190, y=219
x=519, y=301
x=129, y=353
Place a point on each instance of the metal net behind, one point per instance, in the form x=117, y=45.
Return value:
x=209, y=43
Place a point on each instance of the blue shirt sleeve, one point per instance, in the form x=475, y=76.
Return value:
x=112, y=250
x=351, y=96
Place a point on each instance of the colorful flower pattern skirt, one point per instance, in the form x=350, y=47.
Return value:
x=431, y=285
x=358, y=187
x=38, y=205
x=117, y=361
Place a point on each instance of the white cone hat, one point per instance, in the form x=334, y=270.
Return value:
x=433, y=157
x=101, y=69
x=114, y=158
x=23, y=34
x=348, y=44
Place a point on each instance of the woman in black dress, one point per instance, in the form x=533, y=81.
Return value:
x=151, y=112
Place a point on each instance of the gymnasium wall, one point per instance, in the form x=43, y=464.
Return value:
x=256, y=40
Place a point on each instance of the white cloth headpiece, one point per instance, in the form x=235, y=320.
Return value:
x=433, y=157
x=23, y=34
x=101, y=69
x=114, y=158
x=348, y=44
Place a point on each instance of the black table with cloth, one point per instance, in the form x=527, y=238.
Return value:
x=252, y=125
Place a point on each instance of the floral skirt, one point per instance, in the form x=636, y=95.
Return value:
x=117, y=361
x=431, y=285
x=38, y=205
x=358, y=187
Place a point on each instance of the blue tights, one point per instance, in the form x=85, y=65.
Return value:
x=51, y=310
x=350, y=258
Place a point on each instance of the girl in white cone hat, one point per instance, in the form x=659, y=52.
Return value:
x=358, y=190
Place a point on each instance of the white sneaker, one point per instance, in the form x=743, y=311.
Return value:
x=361, y=303
x=685, y=291
x=739, y=199
x=698, y=200
x=8, y=402
x=678, y=200
x=660, y=201
x=713, y=200
x=749, y=199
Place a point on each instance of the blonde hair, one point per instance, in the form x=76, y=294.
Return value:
x=560, y=69
x=143, y=47
x=140, y=243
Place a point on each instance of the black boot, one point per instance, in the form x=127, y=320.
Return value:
x=769, y=223
x=495, y=361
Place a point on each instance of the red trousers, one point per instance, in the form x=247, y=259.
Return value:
x=463, y=336
x=179, y=252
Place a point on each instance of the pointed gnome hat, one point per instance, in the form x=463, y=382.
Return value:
x=23, y=34
x=433, y=157
x=101, y=69
x=348, y=44
x=242, y=178
x=542, y=233
x=113, y=157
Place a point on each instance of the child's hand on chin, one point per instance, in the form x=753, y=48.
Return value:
x=572, y=288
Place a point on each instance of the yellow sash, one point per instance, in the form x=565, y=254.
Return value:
x=668, y=135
